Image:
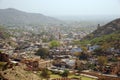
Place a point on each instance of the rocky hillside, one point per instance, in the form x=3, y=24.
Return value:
x=18, y=73
x=13, y=16
x=110, y=40
x=111, y=27
x=106, y=36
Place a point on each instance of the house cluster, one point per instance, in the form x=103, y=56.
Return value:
x=64, y=58
x=21, y=50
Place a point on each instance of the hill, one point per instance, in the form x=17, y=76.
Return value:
x=109, y=28
x=110, y=40
x=106, y=36
x=13, y=16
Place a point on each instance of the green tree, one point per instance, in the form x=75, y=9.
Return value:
x=42, y=52
x=65, y=73
x=45, y=74
x=54, y=44
x=83, y=56
x=102, y=60
x=98, y=51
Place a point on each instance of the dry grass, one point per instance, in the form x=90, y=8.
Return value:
x=18, y=73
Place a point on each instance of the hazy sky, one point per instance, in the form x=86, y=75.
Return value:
x=65, y=7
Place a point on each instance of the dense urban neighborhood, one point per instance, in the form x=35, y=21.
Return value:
x=60, y=51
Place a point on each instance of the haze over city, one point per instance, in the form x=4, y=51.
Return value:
x=67, y=9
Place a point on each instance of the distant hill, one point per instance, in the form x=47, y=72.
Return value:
x=109, y=28
x=13, y=16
